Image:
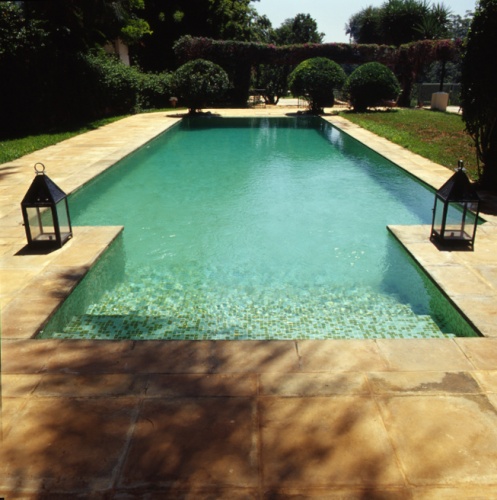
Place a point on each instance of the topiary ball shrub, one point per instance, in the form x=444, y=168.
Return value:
x=316, y=79
x=371, y=85
x=198, y=82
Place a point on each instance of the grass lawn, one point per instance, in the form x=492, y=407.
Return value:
x=438, y=136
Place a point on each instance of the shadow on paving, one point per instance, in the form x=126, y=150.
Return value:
x=185, y=420
x=236, y=419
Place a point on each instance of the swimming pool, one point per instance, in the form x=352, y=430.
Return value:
x=254, y=229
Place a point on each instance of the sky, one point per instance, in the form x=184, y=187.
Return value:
x=331, y=16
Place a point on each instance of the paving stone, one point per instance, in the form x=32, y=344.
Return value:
x=423, y=354
x=487, y=380
x=205, y=385
x=152, y=356
x=66, y=444
x=101, y=385
x=194, y=443
x=324, y=442
x=255, y=356
x=312, y=384
x=340, y=355
x=372, y=493
x=423, y=382
x=86, y=356
x=477, y=492
x=443, y=440
x=481, y=352
x=33, y=317
x=27, y=356
x=18, y=386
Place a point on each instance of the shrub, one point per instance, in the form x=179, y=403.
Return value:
x=198, y=82
x=370, y=85
x=153, y=90
x=117, y=88
x=478, y=90
x=316, y=79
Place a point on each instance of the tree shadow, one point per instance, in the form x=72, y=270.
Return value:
x=200, y=419
x=6, y=171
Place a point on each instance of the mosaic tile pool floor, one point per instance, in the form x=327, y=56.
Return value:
x=137, y=311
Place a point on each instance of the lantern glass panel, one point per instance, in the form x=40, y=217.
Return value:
x=63, y=218
x=438, y=216
x=41, y=223
x=460, y=221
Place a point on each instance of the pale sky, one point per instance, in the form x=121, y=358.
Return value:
x=331, y=16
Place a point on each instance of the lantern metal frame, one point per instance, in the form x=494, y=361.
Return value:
x=455, y=212
x=45, y=212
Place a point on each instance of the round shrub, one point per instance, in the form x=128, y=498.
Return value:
x=371, y=85
x=316, y=79
x=198, y=82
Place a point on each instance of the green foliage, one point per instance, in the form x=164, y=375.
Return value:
x=273, y=80
x=398, y=22
x=218, y=19
x=78, y=26
x=365, y=26
x=300, y=29
x=478, y=89
x=111, y=87
x=18, y=35
x=198, y=82
x=370, y=85
x=316, y=79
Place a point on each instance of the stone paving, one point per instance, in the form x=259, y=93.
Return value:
x=224, y=419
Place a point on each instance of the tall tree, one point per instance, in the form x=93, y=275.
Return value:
x=399, y=21
x=478, y=96
x=300, y=29
x=217, y=19
x=75, y=25
x=365, y=26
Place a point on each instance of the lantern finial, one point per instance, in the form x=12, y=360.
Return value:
x=39, y=170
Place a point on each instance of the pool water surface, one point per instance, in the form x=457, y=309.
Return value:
x=260, y=228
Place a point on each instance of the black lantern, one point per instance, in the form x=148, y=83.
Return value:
x=45, y=212
x=455, y=214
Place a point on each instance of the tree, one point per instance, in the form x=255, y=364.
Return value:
x=19, y=36
x=198, y=82
x=272, y=80
x=316, y=79
x=435, y=25
x=459, y=26
x=399, y=21
x=217, y=19
x=75, y=26
x=370, y=85
x=365, y=26
x=300, y=29
x=478, y=95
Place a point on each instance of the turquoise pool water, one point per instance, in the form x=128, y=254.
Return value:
x=255, y=229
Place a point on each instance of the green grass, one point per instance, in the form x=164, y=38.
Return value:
x=11, y=149
x=437, y=136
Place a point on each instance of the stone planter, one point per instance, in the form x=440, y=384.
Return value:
x=439, y=101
